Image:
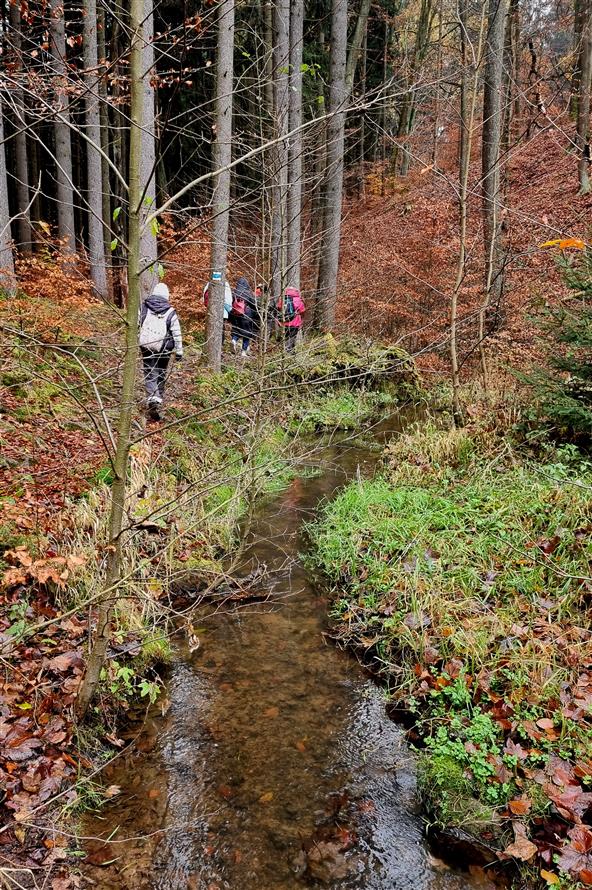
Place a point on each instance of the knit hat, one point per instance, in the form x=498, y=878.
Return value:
x=161, y=290
x=292, y=292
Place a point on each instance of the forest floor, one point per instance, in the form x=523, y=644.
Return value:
x=533, y=754
x=193, y=479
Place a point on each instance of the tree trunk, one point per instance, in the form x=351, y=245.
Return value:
x=583, y=119
x=107, y=604
x=23, y=222
x=148, y=244
x=356, y=45
x=279, y=163
x=104, y=125
x=491, y=179
x=294, y=207
x=468, y=103
x=362, y=138
x=7, y=278
x=94, y=165
x=222, y=156
x=63, y=145
x=338, y=97
x=576, y=77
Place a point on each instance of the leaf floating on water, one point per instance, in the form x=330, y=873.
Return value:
x=225, y=791
x=301, y=745
x=267, y=797
x=271, y=712
x=154, y=792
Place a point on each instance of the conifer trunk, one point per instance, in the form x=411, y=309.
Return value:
x=94, y=164
x=63, y=144
x=222, y=156
x=23, y=222
x=7, y=279
x=294, y=203
x=583, y=112
x=329, y=264
x=279, y=163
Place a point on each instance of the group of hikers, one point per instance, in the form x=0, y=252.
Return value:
x=253, y=316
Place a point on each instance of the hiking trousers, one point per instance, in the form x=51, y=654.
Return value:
x=155, y=371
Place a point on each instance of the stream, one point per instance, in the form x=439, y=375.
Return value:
x=274, y=766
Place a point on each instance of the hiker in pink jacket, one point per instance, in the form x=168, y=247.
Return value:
x=290, y=309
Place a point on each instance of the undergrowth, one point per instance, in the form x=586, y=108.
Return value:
x=462, y=574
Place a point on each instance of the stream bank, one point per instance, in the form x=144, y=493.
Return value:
x=275, y=763
x=460, y=574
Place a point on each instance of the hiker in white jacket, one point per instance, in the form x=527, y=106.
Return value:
x=160, y=336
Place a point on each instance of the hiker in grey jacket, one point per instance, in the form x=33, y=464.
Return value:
x=160, y=336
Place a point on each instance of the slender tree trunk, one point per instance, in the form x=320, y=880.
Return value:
x=63, y=144
x=222, y=156
x=338, y=97
x=7, y=278
x=356, y=46
x=119, y=488
x=583, y=119
x=23, y=222
x=362, y=139
x=94, y=165
x=436, y=130
x=105, y=142
x=279, y=162
x=576, y=78
x=468, y=103
x=148, y=244
x=294, y=207
x=491, y=179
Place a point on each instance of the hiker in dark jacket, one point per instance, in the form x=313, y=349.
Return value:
x=243, y=311
x=160, y=336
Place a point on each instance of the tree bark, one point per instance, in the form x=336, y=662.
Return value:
x=23, y=222
x=490, y=159
x=294, y=203
x=576, y=78
x=222, y=156
x=107, y=604
x=362, y=138
x=105, y=142
x=583, y=118
x=329, y=265
x=356, y=45
x=63, y=144
x=94, y=164
x=7, y=278
x=279, y=163
x=148, y=239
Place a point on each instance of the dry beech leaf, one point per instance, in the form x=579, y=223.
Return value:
x=549, y=876
x=522, y=849
x=267, y=797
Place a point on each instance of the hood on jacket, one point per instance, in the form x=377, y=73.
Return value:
x=243, y=291
x=292, y=292
x=157, y=304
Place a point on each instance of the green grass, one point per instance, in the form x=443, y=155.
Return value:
x=461, y=573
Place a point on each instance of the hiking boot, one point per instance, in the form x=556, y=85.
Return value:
x=245, y=353
x=234, y=345
x=154, y=412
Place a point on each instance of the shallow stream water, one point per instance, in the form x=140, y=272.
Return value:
x=275, y=766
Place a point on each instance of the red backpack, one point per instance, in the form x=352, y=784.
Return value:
x=238, y=306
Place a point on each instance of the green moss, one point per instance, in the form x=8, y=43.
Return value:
x=446, y=793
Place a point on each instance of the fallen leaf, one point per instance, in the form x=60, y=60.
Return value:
x=271, y=712
x=267, y=797
x=549, y=876
x=522, y=849
x=520, y=807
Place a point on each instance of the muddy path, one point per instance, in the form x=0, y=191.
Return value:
x=275, y=766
